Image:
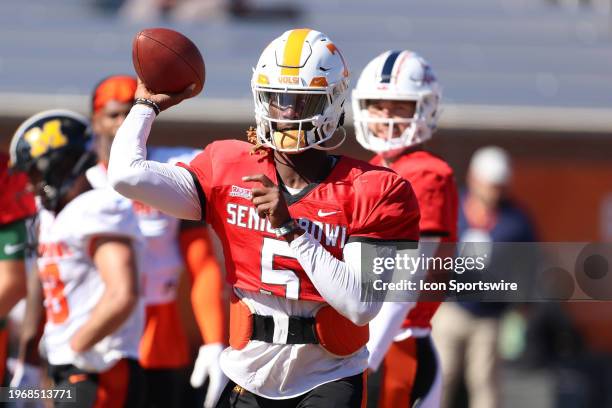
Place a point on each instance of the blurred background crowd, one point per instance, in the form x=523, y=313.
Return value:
x=530, y=77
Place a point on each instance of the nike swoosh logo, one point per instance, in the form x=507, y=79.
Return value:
x=322, y=213
x=11, y=249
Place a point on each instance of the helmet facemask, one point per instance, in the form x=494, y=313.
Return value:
x=396, y=76
x=54, y=175
x=420, y=126
x=292, y=121
x=299, y=85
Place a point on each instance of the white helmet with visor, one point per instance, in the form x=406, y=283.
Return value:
x=299, y=85
x=396, y=76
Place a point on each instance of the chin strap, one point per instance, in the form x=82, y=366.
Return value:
x=321, y=147
x=339, y=127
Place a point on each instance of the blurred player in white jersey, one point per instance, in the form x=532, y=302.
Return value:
x=88, y=243
x=171, y=246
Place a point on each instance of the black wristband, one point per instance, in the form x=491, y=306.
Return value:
x=287, y=228
x=149, y=103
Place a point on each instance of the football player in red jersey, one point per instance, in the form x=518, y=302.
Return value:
x=16, y=204
x=171, y=245
x=395, y=107
x=292, y=220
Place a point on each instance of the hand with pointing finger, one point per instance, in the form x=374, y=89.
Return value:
x=268, y=200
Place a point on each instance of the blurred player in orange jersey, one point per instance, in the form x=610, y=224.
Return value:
x=171, y=246
x=87, y=260
x=395, y=107
x=16, y=204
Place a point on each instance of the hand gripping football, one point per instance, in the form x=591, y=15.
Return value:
x=167, y=61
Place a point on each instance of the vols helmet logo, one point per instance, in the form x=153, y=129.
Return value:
x=49, y=137
x=292, y=80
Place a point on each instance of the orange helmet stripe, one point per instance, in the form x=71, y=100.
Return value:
x=293, y=51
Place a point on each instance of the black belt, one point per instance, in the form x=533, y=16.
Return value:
x=301, y=330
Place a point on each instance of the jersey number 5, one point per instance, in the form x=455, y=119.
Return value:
x=55, y=301
x=272, y=248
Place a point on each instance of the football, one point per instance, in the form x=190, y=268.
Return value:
x=167, y=61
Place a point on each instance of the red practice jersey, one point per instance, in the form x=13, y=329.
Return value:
x=15, y=202
x=434, y=185
x=356, y=201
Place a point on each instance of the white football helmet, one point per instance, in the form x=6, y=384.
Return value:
x=300, y=85
x=399, y=76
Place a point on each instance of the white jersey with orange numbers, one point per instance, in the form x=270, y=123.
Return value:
x=72, y=285
x=163, y=263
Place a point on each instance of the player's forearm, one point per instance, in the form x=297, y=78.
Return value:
x=207, y=290
x=113, y=309
x=12, y=284
x=166, y=187
x=209, y=305
x=32, y=326
x=383, y=328
x=387, y=324
x=337, y=281
x=129, y=149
